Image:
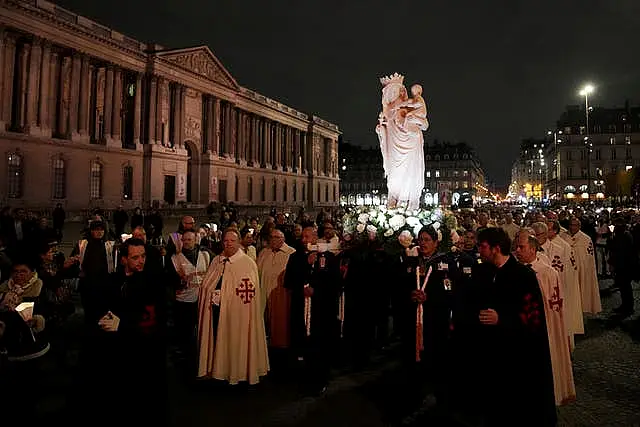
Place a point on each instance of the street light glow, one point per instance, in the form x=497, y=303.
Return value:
x=588, y=89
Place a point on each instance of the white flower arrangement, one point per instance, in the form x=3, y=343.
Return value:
x=387, y=223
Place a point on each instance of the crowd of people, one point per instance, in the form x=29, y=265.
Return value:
x=489, y=323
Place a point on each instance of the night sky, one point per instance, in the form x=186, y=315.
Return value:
x=493, y=72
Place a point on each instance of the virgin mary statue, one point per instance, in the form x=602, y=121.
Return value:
x=399, y=129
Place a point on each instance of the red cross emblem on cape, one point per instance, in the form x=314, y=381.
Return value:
x=557, y=264
x=555, y=302
x=246, y=291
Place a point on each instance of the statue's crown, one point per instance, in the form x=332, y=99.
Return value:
x=394, y=78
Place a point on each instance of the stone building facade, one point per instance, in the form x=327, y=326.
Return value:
x=90, y=117
x=577, y=170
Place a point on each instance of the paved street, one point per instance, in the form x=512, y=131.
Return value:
x=606, y=370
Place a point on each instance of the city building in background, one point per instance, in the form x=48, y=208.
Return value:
x=603, y=170
x=529, y=171
x=453, y=176
x=362, y=180
x=90, y=117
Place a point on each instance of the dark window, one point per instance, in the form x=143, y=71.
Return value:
x=59, y=179
x=15, y=174
x=127, y=182
x=95, y=181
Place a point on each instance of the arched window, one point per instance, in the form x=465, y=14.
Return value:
x=15, y=175
x=59, y=178
x=250, y=189
x=304, y=192
x=95, y=181
x=127, y=182
x=326, y=193
x=284, y=191
x=295, y=191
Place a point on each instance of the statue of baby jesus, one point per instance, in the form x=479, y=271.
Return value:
x=415, y=107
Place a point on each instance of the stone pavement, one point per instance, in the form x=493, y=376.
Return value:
x=606, y=365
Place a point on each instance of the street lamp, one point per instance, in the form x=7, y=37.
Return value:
x=586, y=91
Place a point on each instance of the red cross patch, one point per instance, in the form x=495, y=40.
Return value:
x=246, y=291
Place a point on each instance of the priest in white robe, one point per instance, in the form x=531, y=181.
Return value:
x=584, y=252
x=560, y=258
x=231, y=335
x=272, y=263
x=552, y=294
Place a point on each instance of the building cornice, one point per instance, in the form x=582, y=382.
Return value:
x=51, y=22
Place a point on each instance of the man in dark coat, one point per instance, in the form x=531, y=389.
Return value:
x=514, y=351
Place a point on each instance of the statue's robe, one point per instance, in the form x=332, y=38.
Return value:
x=553, y=295
x=276, y=299
x=582, y=247
x=232, y=340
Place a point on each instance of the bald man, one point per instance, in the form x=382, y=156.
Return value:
x=174, y=245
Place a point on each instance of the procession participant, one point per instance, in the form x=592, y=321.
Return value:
x=428, y=287
x=186, y=271
x=174, y=244
x=231, y=335
x=469, y=244
x=553, y=295
x=131, y=360
x=584, y=253
x=364, y=301
x=624, y=262
x=154, y=262
x=516, y=362
x=97, y=258
x=272, y=262
x=509, y=226
x=561, y=258
x=247, y=241
x=315, y=282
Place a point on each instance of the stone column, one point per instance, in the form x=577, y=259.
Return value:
x=116, y=129
x=234, y=135
x=84, y=107
x=74, y=97
x=161, y=137
x=183, y=107
x=175, y=116
x=150, y=121
x=296, y=150
x=241, y=147
x=209, y=122
x=9, y=52
x=54, y=80
x=257, y=144
x=108, y=103
x=226, y=135
x=303, y=151
x=137, y=110
x=32, y=89
x=22, y=96
x=266, y=137
x=215, y=112
x=44, y=101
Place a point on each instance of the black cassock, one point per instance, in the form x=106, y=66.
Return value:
x=516, y=381
x=325, y=279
